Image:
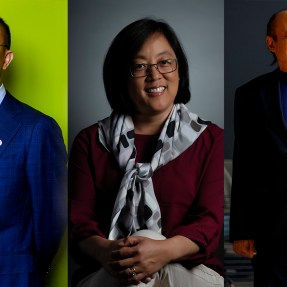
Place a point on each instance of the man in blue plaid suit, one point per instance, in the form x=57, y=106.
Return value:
x=32, y=186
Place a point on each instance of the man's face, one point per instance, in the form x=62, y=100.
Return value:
x=6, y=55
x=2, y=49
x=278, y=43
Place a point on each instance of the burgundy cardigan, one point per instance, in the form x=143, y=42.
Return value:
x=189, y=190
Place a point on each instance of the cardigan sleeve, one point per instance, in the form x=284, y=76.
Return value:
x=204, y=221
x=81, y=188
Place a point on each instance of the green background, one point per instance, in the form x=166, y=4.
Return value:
x=38, y=75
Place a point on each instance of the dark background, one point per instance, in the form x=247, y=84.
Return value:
x=245, y=52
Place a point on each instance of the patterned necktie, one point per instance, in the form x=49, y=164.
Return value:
x=136, y=206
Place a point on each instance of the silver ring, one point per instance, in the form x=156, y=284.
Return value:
x=133, y=271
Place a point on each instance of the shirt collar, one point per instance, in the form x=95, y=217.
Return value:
x=2, y=93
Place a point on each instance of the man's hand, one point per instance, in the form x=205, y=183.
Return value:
x=245, y=248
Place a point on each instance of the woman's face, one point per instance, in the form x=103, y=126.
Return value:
x=155, y=93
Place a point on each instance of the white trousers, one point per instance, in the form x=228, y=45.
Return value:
x=172, y=275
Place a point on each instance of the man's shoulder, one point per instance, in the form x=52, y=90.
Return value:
x=24, y=112
x=259, y=81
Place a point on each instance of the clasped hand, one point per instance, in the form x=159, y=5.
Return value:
x=142, y=255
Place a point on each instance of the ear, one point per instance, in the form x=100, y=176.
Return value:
x=8, y=59
x=270, y=43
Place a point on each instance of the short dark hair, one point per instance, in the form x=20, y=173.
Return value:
x=270, y=31
x=7, y=34
x=116, y=69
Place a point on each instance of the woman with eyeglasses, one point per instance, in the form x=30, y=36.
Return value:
x=146, y=183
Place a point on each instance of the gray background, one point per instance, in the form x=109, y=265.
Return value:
x=94, y=24
x=246, y=55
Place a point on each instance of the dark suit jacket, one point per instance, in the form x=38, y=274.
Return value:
x=32, y=193
x=259, y=186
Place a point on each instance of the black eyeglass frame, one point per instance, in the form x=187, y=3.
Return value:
x=149, y=66
x=5, y=46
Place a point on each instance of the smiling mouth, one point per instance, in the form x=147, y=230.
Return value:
x=156, y=90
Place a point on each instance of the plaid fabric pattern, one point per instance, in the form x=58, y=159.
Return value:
x=32, y=193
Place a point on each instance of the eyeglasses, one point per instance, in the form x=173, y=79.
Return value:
x=4, y=46
x=144, y=70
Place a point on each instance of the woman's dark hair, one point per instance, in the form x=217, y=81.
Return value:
x=116, y=70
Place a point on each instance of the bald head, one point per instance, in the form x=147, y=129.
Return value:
x=276, y=38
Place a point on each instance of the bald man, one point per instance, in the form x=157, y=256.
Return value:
x=258, y=218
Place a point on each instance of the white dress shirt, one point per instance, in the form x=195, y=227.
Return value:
x=2, y=93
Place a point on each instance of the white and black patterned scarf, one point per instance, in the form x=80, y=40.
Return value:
x=136, y=206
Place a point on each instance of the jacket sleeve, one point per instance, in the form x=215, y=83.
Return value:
x=244, y=177
x=46, y=175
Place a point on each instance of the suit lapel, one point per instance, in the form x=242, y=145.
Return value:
x=9, y=108
x=271, y=99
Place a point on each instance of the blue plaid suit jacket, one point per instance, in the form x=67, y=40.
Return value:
x=32, y=193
